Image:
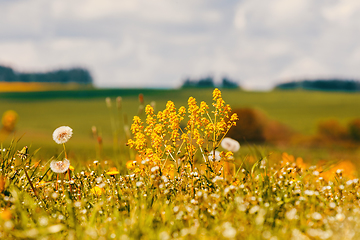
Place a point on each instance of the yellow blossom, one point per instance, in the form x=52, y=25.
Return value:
x=5, y=214
x=130, y=164
x=236, y=182
x=97, y=190
x=40, y=184
x=112, y=171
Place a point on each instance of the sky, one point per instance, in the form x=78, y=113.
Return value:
x=159, y=43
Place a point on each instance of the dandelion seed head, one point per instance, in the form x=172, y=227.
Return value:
x=60, y=166
x=230, y=144
x=62, y=134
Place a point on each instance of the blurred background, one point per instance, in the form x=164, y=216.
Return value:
x=289, y=68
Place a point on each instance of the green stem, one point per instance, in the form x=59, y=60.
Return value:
x=68, y=169
x=65, y=150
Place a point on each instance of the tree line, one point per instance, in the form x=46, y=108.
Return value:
x=72, y=75
x=208, y=82
x=322, y=85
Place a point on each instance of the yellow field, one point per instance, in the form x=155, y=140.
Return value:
x=35, y=87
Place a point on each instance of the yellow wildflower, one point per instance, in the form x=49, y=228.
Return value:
x=5, y=214
x=236, y=182
x=97, y=190
x=9, y=120
x=130, y=164
x=41, y=184
x=112, y=171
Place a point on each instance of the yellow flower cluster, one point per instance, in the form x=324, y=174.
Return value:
x=162, y=138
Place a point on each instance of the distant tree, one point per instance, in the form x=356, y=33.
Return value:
x=207, y=82
x=73, y=75
x=322, y=85
x=189, y=83
x=289, y=85
x=7, y=74
x=227, y=83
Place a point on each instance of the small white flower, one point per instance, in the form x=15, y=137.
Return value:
x=217, y=156
x=62, y=134
x=154, y=169
x=230, y=144
x=60, y=166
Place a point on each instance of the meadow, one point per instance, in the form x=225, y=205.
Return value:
x=40, y=112
x=170, y=182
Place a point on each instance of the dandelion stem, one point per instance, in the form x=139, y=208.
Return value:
x=57, y=180
x=63, y=182
x=70, y=181
x=65, y=150
x=68, y=169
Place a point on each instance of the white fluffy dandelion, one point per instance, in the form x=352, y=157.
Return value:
x=62, y=134
x=60, y=166
x=230, y=144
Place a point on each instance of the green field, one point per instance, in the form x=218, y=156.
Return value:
x=173, y=189
x=40, y=113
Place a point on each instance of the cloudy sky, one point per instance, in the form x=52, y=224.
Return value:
x=159, y=43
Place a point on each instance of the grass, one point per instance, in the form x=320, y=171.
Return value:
x=174, y=192
x=41, y=112
x=281, y=201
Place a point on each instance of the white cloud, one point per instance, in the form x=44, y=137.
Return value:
x=342, y=10
x=303, y=68
x=136, y=43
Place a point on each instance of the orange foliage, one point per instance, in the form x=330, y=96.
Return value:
x=346, y=168
x=299, y=162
